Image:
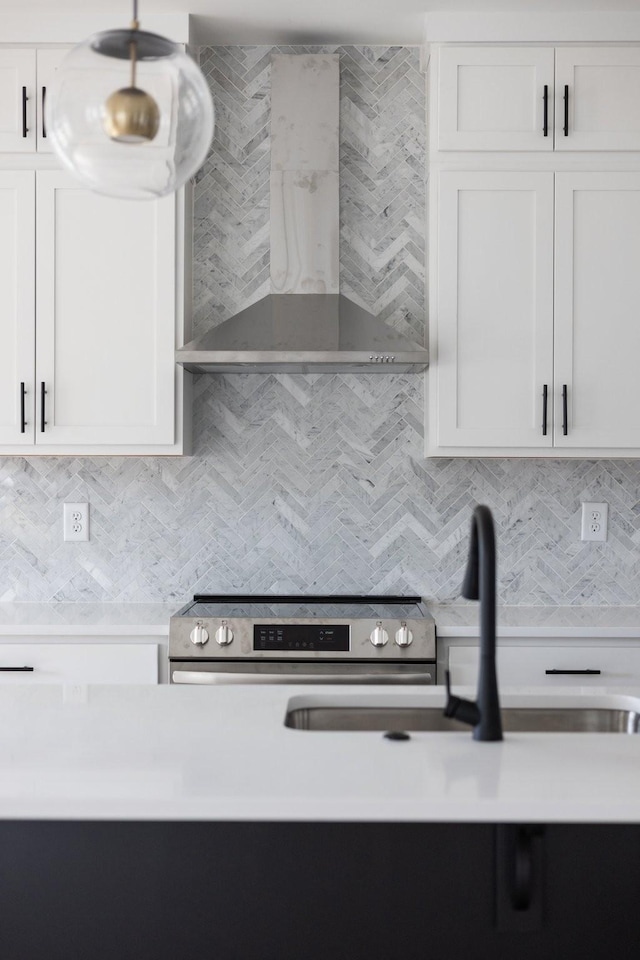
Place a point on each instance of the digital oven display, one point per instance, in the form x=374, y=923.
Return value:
x=300, y=637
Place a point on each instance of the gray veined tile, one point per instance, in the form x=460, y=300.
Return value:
x=303, y=483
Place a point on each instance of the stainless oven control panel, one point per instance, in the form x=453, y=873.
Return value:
x=382, y=637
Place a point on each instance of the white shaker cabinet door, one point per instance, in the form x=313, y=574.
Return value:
x=17, y=100
x=17, y=299
x=105, y=293
x=597, y=310
x=598, y=98
x=492, y=333
x=495, y=98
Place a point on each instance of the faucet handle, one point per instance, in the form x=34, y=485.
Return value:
x=466, y=711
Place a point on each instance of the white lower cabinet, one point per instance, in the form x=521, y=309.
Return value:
x=53, y=662
x=551, y=663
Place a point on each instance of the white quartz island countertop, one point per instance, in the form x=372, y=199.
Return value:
x=190, y=753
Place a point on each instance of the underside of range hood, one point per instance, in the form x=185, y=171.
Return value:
x=303, y=333
x=305, y=325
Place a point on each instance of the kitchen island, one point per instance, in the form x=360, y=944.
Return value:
x=176, y=822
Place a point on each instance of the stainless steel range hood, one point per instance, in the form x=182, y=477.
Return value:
x=305, y=325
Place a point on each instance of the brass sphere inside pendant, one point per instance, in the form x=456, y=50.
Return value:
x=132, y=116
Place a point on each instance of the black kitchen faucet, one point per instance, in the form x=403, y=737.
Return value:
x=483, y=713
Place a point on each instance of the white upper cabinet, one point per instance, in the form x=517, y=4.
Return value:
x=598, y=98
x=17, y=100
x=597, y=310
x=534, y=278
x=492, y=336
x=105, y=294
x=89, y=312
x=513, y=372
x=509, y=98
x=495, y=98
x=47, y=62
x=17, y=306
x=25, y=75
x=93, y=299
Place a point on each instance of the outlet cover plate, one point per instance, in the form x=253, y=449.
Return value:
x=595, y=517
x=75, y=518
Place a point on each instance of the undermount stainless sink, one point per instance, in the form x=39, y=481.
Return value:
x=520, y=719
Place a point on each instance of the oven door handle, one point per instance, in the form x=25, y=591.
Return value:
x=220, y=678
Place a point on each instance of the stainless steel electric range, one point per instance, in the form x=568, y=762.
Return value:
x=302, y=639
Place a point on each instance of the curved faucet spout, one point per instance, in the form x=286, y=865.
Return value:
x=480, y=584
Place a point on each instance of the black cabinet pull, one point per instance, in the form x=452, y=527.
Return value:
x=545, y=394
x=519, y=877
x=573, y=672
x=44, y=128
x=23, y=422
x=565, y=414
x=566, y=110
x=522, y=891
x=25, y=128
x=43, y=393
x=16, y=669
x=545, y=100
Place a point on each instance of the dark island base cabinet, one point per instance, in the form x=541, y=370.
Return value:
x=321, y=891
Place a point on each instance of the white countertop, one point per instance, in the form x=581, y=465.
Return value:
x=452, y=620
x=200, y=753
x=462, y=620
x=86, y=619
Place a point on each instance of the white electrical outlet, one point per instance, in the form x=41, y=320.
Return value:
x=594, y=521
x=75, y=521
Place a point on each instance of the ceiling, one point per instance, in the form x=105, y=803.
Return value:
x=305, y=21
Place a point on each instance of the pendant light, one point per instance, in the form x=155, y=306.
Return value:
x=130, y=114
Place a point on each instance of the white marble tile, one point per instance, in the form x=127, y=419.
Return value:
x=296, y=481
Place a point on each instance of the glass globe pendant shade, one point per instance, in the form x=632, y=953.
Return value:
x=130, y=114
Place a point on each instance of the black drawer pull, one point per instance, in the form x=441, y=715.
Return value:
x=44, y=128
x=43, y=393
x=23, y=421
x=16, y=669
x=566, y=110
x=545, y=100
x=565, y=410
x=25, y=128
x=545, y=394
x=575, y=672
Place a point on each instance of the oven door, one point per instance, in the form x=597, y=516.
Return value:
x=277, y=671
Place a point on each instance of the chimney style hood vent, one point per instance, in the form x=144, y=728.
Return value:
x=305, y=325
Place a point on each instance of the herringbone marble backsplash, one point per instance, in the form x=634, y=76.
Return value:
x=314, y=483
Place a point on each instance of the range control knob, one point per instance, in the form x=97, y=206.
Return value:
x=379, y=635
x=224, y=635
x=404, y=636
x=199, y=635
